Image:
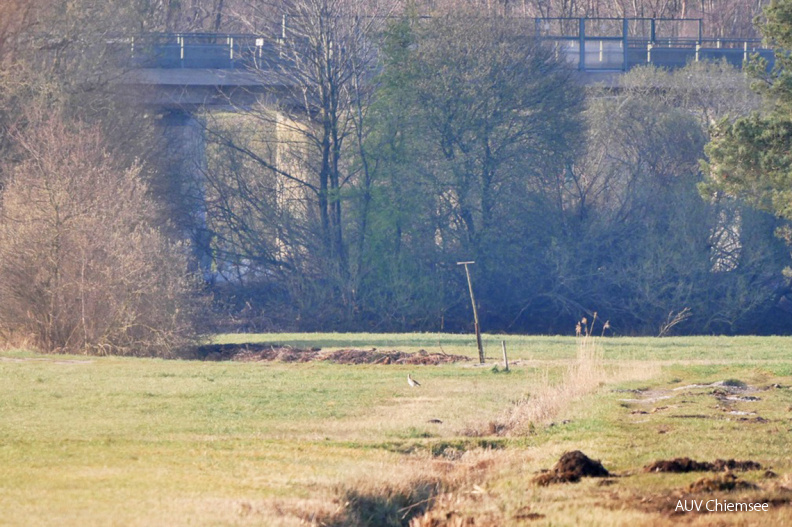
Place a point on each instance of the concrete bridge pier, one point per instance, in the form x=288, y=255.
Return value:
x=183, y=182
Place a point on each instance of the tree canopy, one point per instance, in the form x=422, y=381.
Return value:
x=749, y=157
x=396, y=145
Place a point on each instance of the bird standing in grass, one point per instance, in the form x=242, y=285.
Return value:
x=412, y=382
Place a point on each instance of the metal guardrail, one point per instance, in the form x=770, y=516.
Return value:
x=196, y=50
x=590, y=44
x=619, y=44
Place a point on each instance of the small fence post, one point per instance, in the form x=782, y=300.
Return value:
x=698, y=49
x=505, y=358
x=231, y=50
x=282, y=43
x=649, y=53
x=745, y=52
x=181, y=50
x=259, y=51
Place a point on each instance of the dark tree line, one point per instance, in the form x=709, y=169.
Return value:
x=396, y=146
x=462, y=138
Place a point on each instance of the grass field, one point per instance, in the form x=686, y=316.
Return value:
x=126, y=441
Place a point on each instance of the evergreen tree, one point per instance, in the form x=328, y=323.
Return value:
x=749, y=158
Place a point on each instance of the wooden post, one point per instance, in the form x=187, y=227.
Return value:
x=505, y=359
x=475, y=311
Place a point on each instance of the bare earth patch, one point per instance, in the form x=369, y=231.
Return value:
x=54, y=361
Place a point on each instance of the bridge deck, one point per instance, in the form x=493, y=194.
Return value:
x=590, y=44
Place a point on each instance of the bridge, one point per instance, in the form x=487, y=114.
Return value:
x=619, y=44
x=189, y=68
x=181, y=72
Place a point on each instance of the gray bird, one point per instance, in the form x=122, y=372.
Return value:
x=412, y=382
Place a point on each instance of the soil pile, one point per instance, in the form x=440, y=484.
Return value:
x=570, y=468
x=276, y=352
x=685, y=464
x=254, y=352
x=356, y=356
x=723, y=482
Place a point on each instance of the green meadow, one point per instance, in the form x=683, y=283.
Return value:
x=132, y=441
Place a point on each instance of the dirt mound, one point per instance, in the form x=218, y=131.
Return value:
x=724, y=482
x=277, y=352
x=284, y=354
x=244, y=352
x=685, y=464
x=720, y=465
x=680, y=464
x=570, y=468
x=356, y=356
x=255, y=352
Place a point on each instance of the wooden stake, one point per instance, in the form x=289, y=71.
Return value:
x=505, y=359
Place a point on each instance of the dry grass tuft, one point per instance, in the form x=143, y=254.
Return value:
x=450, y=512
x=429, y=490
x=466, y=500
x=585, y=375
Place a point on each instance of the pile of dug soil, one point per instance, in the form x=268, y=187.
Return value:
x=570, y=468
x=356, y=356
x=281, y=353
x=685, y=464
x=721, y=482
x=277, y=352
x=254, y=352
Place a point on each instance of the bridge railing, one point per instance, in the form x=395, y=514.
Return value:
x=589, y=44
x=613, y=44
x=199, y=50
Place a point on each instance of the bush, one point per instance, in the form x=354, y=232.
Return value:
x=82, y=269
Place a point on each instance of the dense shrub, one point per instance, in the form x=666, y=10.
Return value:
x=82, y=269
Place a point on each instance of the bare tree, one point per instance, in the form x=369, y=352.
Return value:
x=642, y=246
x=311, y=146
x=721, y=18
x=81, y=267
